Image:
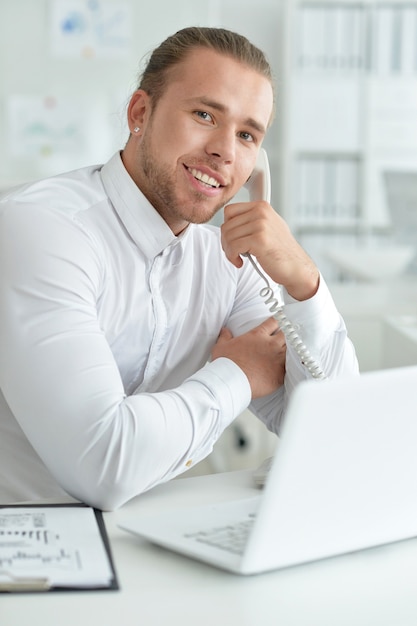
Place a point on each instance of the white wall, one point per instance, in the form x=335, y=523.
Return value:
x=99, y=87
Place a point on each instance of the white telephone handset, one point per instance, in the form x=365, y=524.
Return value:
x=259, y=183
x=259, y=188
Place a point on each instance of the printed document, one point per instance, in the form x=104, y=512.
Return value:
x=44, y=547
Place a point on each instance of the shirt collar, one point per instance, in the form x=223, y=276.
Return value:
x=147, y=228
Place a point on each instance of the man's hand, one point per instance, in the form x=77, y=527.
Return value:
x=260, y=353
x=256, y=228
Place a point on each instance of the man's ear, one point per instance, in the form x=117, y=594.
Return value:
x=138, y=111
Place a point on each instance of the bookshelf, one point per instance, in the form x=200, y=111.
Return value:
x=348, y=115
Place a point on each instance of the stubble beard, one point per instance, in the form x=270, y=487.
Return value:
x=161, y=191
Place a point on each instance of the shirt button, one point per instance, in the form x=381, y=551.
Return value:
x=189, y=463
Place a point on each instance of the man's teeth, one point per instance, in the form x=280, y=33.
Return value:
x=208, y=180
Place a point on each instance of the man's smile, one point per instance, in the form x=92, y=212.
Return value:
x=204, y=178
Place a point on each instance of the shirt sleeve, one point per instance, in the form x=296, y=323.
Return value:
x=62, y=384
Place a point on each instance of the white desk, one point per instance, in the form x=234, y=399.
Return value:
x=371, y=588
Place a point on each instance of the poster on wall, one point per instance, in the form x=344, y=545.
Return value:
x=86, y=29
x=44, y=126
x=52, y=134
x=55, y=133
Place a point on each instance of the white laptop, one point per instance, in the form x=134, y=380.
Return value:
x=344, y=478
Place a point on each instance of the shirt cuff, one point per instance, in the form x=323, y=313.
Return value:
x=316, y=318
x=229, y=385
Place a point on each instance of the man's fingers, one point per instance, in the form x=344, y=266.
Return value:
x=269, y=326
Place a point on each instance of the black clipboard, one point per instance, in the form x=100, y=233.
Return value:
x=34, y=585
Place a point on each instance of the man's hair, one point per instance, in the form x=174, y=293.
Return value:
x=176, y=47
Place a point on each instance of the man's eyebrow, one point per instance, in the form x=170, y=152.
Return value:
x=213, y=104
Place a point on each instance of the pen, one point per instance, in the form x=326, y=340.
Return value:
x=9, y=582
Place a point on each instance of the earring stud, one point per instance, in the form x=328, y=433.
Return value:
x=136, y=129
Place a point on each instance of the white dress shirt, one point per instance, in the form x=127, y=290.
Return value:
x=106, y=325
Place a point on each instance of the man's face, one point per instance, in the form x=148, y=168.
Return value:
x=199, y=144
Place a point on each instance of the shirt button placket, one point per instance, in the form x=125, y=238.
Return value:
x=160, y=320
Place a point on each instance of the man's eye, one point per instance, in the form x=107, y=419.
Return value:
x=204, y=115
x=247, y=136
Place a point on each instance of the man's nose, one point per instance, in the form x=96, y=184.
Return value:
x=222, y=144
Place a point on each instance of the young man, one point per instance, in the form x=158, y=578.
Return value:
x=132, y=334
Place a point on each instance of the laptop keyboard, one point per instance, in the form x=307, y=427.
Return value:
x=232, y=537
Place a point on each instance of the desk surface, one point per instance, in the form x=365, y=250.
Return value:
x=375, y=587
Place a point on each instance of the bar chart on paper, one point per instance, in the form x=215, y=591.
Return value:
x=61, y=545
x=35, y=548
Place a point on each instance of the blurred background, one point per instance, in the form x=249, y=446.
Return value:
x=342, y=149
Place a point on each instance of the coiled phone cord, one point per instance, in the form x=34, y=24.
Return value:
x=291, y=335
